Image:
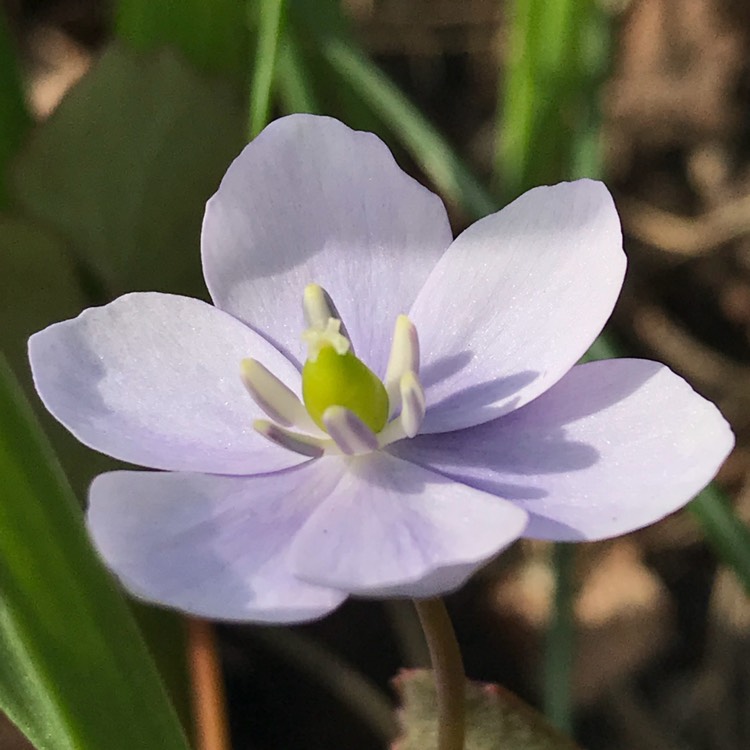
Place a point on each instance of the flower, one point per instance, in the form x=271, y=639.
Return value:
x=482, y=429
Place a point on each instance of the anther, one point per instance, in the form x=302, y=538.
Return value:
x=293, y=441
x=277, y=400
x=413, y=404
x=404, y=358
x=319, y=308
x=348, y=431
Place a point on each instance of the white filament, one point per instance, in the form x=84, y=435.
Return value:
x=413, y=404
x=277, y=400
x=404, y=357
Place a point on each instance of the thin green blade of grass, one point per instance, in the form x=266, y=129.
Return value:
x=75, y=673
x=270, y=20
x=728, y=536
x=296, y=86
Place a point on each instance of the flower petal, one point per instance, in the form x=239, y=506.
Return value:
x=391, y=528
x=212, y=546
x=311, y=201
x=612, y=447
x=516, y=301
x=154, y=379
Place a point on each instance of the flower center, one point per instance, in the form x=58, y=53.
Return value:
x=346, y=408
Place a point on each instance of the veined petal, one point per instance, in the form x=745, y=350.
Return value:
x=154, y=379
x=516, y=301
x=612, y=447
x=390, y=528
x=212, y=546
x=311, y=201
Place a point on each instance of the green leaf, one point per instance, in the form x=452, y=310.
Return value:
x=495, y=718
x=74, y=672
x=123, y=168
x=294, y=79
x=548, y=118
x=270, y=21
x=213, y=35
x=14, y=117
x=728, y=536
x=39, y=285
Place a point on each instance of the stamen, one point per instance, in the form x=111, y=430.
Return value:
x=413, y=403
x=278, y=401
x=348, y=431
x=392, y=432
x=319, y=308
x=404, y=358
x=293, y=441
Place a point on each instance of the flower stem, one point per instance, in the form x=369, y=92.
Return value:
x=449, y=672
x=559, y=649
x=209, y=706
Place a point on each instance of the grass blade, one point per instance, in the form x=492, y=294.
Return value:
x=74, y=671
x=270, y=20
x=728, y=536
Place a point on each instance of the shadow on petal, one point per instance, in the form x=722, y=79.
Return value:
x=485, y=401
x=443, y=368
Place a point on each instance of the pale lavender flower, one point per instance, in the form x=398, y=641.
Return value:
x=267, y=517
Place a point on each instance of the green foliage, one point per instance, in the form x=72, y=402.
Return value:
x=294, y=78
x=39, y=285
x=74, y=672
x=14, y=118
x=724, y=530
x=124, y=166
x=548, y=123
x=495, y=718
x=270, y=20
x=210, y=34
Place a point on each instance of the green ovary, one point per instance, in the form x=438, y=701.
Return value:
x=334, y=379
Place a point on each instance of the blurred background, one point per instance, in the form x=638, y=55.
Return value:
x=117, y=120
